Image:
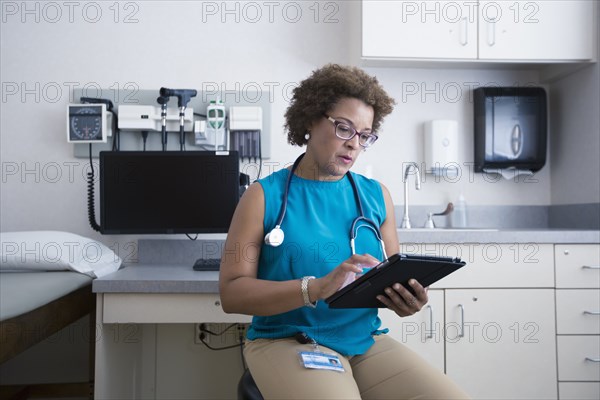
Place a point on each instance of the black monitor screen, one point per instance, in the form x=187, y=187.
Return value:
x=167, y=191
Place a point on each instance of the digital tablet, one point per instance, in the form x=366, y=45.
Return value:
x=398, y=268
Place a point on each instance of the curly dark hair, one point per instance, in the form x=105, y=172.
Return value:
x=321, y=91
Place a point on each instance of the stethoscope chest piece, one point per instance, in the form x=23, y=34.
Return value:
x=275, y=237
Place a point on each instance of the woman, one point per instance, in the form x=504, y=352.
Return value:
x=282, y=279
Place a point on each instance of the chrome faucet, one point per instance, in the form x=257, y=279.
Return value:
x=412, y=165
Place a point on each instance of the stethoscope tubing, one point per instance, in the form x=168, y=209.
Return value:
x=353, y=229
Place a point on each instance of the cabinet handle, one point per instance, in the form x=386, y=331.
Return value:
x=430, y=330
x=590, y=267
x=597, y=360
x=462, y=321
x=592, y=312
x=491, y=39
x=464, y=32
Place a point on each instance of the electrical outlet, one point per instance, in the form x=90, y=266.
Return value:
x=228, y=337
x=242, y=328
x=200, y=335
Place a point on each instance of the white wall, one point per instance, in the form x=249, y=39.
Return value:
x=576, y=144
x=182, y=44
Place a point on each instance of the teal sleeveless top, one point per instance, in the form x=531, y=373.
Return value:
x=317, y=227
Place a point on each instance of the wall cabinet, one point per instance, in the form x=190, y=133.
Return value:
x=404, y=29
x=547, y=30
x=540, y=30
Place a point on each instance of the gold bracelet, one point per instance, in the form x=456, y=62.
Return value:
x=305, y=295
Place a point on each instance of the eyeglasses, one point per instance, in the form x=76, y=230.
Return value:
x=344, y=131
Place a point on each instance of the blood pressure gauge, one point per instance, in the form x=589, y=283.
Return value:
x=86, y=123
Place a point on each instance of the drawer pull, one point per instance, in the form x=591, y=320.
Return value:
x=597, y=360
x=591, y=267
x=464, y=33
x=462, y=321
x=430, y=330
x=592, y=312
x=491, y=33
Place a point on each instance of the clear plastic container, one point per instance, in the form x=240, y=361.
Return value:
x=459, y=215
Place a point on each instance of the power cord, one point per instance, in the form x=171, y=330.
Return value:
x=117, y=132
x=90, y=190
x=144, y=138
x=241, y=339
x=204, y=331
x=260, y=163
x=216, y=333
x=220, y=348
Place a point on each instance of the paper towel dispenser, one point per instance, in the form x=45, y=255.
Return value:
x=510, y=128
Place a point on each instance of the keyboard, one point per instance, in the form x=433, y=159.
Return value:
x=207, y=264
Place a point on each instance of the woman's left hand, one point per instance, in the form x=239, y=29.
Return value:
x=400, y=300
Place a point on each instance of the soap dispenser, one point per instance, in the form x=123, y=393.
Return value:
x=441, y=147
x=459, y=215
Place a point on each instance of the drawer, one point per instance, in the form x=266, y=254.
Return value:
x=493, y=265
x=577, y=265
x=578, y=311
x=572, y=354
x=579, y=390
x=165, y=308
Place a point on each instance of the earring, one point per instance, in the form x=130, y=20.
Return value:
x=307, y=135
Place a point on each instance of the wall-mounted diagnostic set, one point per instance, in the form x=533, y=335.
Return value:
x=168, y=191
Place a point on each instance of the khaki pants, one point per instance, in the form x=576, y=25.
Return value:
x=389, y=370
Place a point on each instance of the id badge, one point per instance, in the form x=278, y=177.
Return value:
x=316, y=360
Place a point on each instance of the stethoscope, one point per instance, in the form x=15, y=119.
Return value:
x=276, y=236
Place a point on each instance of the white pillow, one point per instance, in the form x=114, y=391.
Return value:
x=56, y=251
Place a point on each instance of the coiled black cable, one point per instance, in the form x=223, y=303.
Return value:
x=90, y=190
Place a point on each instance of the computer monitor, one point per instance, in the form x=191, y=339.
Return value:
x=164, y=192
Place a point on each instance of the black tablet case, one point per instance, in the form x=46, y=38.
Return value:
x=398, y=268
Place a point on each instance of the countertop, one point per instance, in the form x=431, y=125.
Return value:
x=153, y=275
x=159, y=278
x=420, y=235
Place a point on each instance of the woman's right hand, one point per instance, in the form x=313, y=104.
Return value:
x=333, y=281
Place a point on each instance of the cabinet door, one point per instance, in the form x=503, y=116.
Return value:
x=537, y=30
x=409, y=29
x=500, y=343
x=422, y=332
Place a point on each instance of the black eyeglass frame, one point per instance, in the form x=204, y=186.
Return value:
x=361, y=135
